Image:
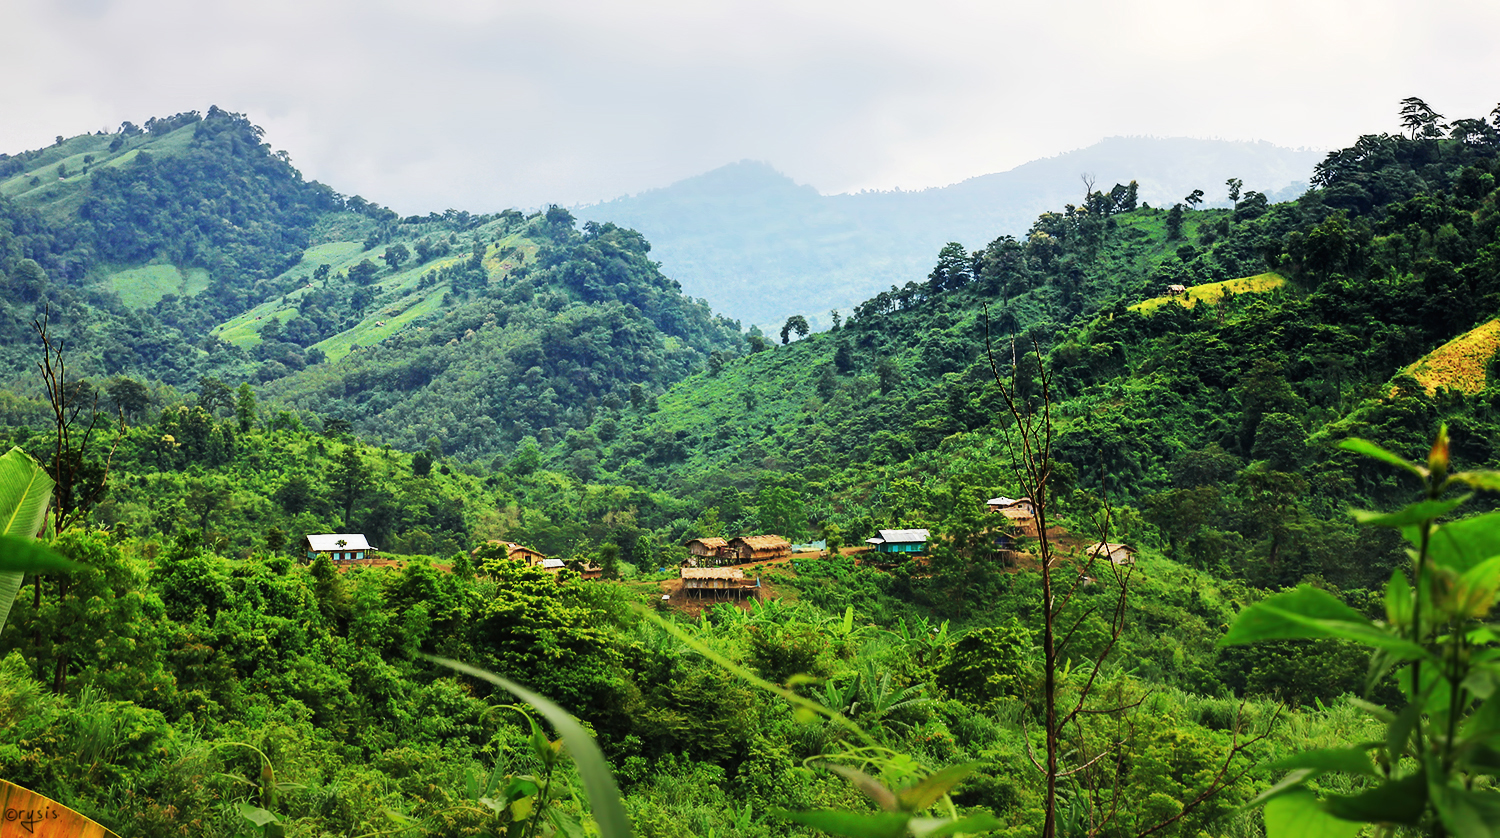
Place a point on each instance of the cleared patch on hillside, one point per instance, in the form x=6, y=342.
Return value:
x=143, y=287
x=1461, y=363
x=1212, y=292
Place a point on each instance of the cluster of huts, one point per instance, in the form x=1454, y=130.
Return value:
x=1020, y=513
x=710, y=568
x=715, y=552
x=712, y=565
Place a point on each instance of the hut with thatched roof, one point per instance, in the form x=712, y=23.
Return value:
x=718, y=582
x=757, y=548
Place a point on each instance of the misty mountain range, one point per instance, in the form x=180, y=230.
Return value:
x=759, y=247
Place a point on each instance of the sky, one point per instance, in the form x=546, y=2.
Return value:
x=481, y=105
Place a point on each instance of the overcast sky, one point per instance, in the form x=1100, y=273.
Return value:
x=481, y=104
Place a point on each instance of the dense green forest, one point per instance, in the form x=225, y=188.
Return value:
x=549, y=386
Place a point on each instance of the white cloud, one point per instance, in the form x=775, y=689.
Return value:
x=481, y=105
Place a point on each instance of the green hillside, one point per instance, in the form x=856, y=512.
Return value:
x=445, y=384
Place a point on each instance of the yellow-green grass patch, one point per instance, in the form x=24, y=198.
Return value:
x=1212, y=292
x=143, y=287
x=373, y=330
x=1461, y=363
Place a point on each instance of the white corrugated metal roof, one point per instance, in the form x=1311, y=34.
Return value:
x=553, y=564
x=903, y=536
x=1001, y=501
x=330, y=541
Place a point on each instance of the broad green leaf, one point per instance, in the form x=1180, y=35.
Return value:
x=1323, y=760
x=867, y=784
x=1373, y=709
x=926, y=828
x=1292, y=781
x=1309, y=613
x=25, y=491
x=1484, y=722
x=1399, y=731
x=1477, y=589
x=256, y=815
x=1465, y=812
x=1398, y=600
x=566, y=825
x=20, y=555
x=920, y=796
x=1267, y=619
x=1461, y=544
x=520, y=809
x=852, y=824
x=1397, y=801
x=848, y=625
x=1298, y=815
x=1370, y=449
x=1488, y=481
x=1480, y=758
x=1481, y=681
x=1416, y=513
x=598, y=783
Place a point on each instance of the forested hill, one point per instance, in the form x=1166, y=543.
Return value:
x=187, y=251
x=760, y=247
x=1211, y=418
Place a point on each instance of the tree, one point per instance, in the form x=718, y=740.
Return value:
x=1418, y=118
x=1234, y=184
x=1064, y=706
x=244, y=407
x=833, y=539
x=1174, y=222
x=796, y=323
x=363, y=273
x=214, y=395
x=888, y=373
x=349, y=481
x=395, y=255
x=953, y=269
x=1194, y=198
x=334, y=427
x=129, y=397
x=780, y=510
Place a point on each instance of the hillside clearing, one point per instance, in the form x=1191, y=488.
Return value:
x=1461, y=363
x=1214, y=291
x=144, y=287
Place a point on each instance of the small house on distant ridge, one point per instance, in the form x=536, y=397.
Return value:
x=337, y=546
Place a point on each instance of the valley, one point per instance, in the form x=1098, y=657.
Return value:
x=263, y=359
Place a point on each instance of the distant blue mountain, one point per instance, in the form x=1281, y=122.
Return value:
x=759, y=247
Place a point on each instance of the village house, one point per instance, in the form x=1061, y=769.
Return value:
x=1016, y=509
x=900, y=541
x=718, y=581
x=757, y=548
x=1117, y=554
x=338, y=546
x=517, y=552
x=703, y=552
